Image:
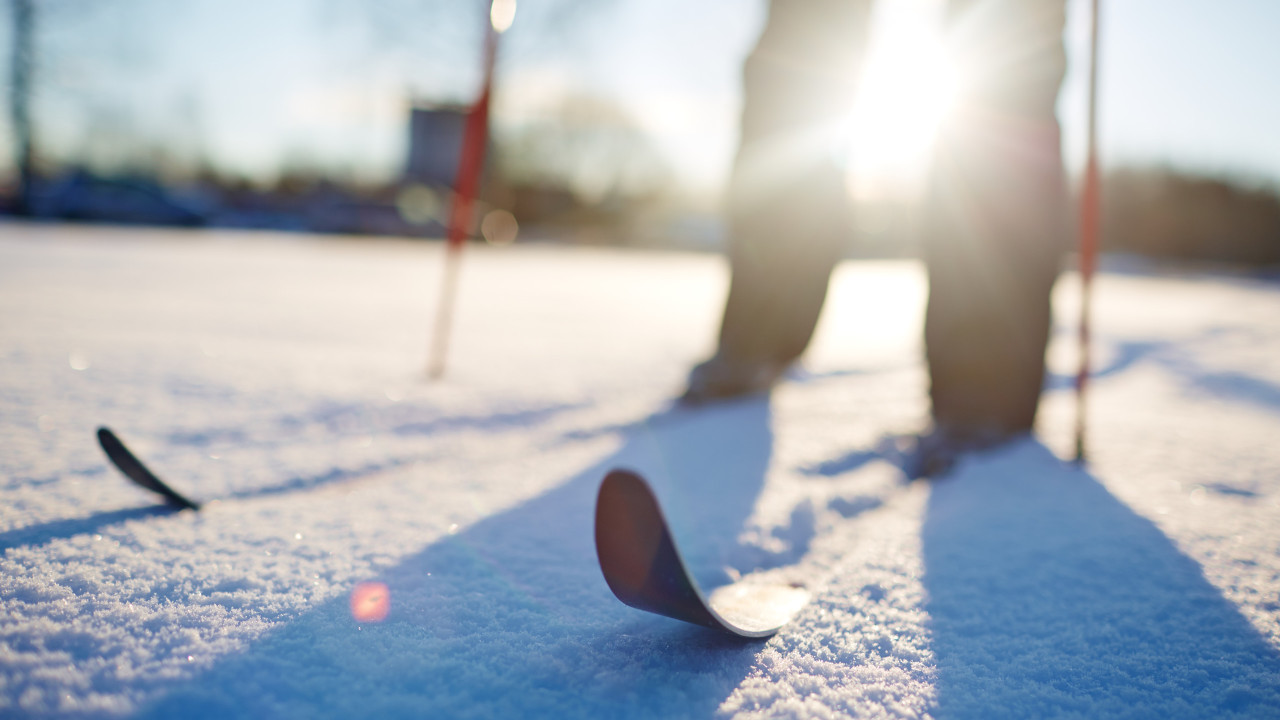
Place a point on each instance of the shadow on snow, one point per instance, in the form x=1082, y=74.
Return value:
x=42, y=533
x=39, y=534
x=1224, y=384
x=511, y=617
x=1050, y=597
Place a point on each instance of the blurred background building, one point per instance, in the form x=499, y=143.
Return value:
x=614, y=121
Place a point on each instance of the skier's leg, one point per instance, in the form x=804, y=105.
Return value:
x=997, y=221
x=787, y=198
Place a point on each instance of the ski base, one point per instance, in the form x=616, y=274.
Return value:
x=643, y=568
x=135, y=470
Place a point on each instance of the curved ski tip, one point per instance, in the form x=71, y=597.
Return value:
x=644, y=569
x=110, y=444
x=625, y=478
x=134, y=469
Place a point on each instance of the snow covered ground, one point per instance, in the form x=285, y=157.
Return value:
x=280, y=378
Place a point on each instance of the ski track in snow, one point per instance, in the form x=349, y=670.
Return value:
x=280, y=380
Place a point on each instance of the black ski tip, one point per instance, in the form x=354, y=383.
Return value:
x=638, y=555
x=644, y=569
x=133, y=468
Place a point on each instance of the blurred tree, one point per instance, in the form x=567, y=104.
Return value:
x=1164, y=213
x=431, y=38
x=587, y=145
x=21, y=69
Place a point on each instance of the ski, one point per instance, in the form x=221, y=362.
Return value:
x=135, y=470
x=643, y=568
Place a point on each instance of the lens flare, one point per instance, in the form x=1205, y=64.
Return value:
x=499, y=227
x=501, y=14
x=370, y=602
x=418, y=205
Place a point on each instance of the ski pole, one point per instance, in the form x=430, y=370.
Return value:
x=475, y=135
x=1089, y=222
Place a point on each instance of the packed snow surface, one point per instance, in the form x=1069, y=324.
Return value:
x=375, y=544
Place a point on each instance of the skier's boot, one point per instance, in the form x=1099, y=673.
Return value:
x=933, y=454
x=723, y=377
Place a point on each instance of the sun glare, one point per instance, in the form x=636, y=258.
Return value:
x=906, y=88
x=370, y=602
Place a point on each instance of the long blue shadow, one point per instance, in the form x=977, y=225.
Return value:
x=353, y=419
x=348, y=419
x=1125, y=356
x=40, y=534
x=1228, y=385
x=1050, y=598
x=850, y=461
x=303, y=483
x=511, y=618
x=35, y=535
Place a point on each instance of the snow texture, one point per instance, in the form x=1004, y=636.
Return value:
x=280, y=379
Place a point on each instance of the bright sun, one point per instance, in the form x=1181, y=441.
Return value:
x=905, y=91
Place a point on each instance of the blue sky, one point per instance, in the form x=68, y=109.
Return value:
x=326, y=83
x=1185, y=82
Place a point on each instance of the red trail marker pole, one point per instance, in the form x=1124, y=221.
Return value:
x=475, y=136
x=1090, y=198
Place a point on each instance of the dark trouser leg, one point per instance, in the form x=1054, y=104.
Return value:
x=787, y=199
x=997, y=220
